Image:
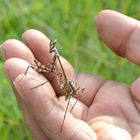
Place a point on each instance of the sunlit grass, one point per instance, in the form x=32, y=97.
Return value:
x=73, y=24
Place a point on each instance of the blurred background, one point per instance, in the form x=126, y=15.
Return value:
x=73, y=24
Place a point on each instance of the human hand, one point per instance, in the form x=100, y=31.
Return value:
x=107, y=111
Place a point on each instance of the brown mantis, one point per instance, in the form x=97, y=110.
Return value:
x=68, y=86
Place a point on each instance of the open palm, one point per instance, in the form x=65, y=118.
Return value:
x=107, y=110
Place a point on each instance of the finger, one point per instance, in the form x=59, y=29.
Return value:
x=13, y=67
x=14, y=48
x=49, y=114
x=39, y=44
x=113, y=120
x=135, y=89
x=120, y=33
x=137, y=137
x=108, y=101
x=109, y=132
x=92, y=84
x=31, y=124
x=35, y=130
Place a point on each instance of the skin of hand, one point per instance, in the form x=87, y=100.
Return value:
x=106, y=111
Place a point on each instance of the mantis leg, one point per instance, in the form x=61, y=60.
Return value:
x=30, y=66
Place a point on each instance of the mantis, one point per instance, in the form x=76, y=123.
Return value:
x=69, y=87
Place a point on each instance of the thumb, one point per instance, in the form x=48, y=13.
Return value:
x=120, y=33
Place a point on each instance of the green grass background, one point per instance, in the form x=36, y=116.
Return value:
x=72, y=23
